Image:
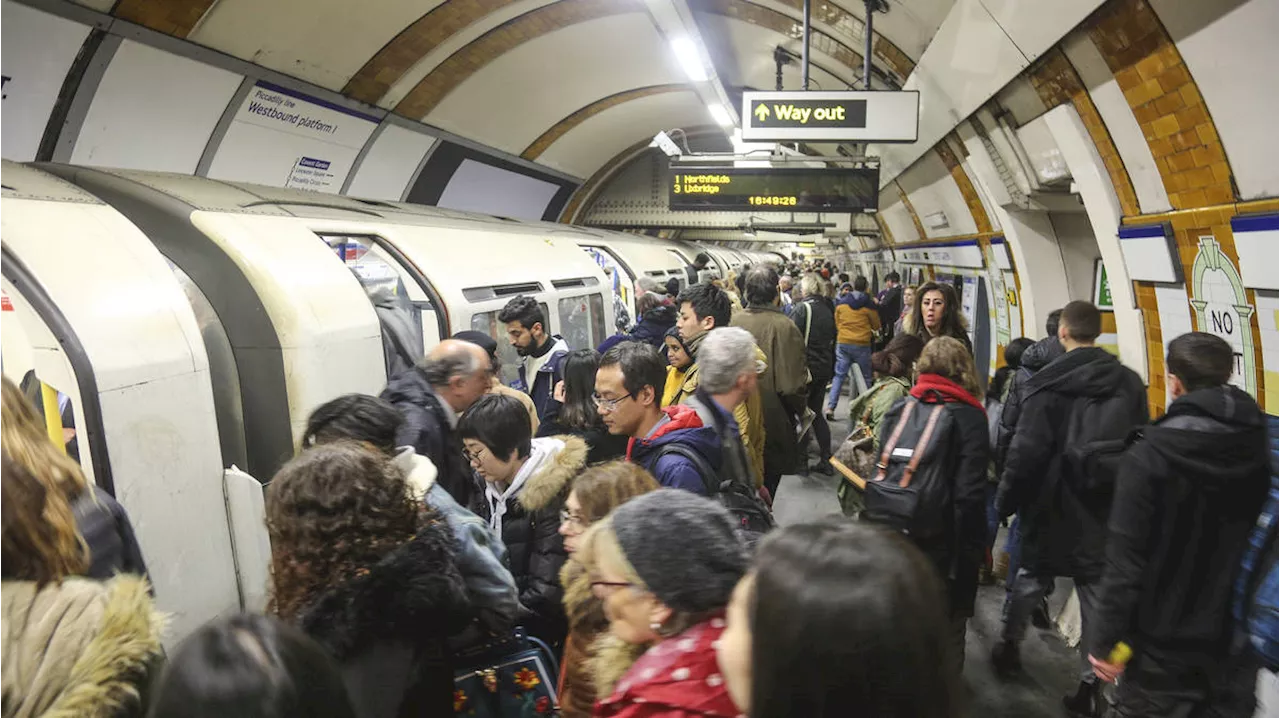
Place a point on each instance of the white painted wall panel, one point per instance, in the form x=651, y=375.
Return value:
x=1079, y=249
x=389, y=165
x=1235, y=61
x=1037, y=31
x=153, y=110
x=477, y=187
x=545, y=79
x=1121, y=124
x=1046, y=159
x=932, y=189
x=898, y=219
x=321, y=41
x=37, y=50
x=1149, y=259
x=589, y=145
x=285, y=139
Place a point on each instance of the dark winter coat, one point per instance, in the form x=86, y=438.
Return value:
x=601, y=445
x=530, y=530
x=113, y=548
x=387, y=628
x=890, y=307
x=543, y=385
x=1190, y=490
x=1036, y=357
x=958, y=551
x=817, y=316
x=1084, y=396
x=427, y=429
x=679, y=425
x=653, y=325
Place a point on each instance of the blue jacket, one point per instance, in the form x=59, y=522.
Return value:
x=481, y=556
x=1254, y=607
x=681, y=425
x=542, y=389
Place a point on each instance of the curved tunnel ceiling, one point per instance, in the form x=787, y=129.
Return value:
x=569, y=83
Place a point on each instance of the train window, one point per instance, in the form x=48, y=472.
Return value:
x=620, y=282
x=508, y=359
x=582, y=320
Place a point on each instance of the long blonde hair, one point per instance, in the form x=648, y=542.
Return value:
x=23, y=436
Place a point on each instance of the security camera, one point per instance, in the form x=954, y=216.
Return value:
x=664, y=142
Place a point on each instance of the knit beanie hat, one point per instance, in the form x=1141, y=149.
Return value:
x=683, y=546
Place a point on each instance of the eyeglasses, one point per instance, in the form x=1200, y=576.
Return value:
x=473, y=457
x=572, y=520
x=609, y=405
x=607, y=588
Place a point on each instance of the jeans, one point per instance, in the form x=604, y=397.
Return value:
x=1027, y=591
x=846, y=356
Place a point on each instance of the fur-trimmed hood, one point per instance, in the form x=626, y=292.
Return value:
x=415, y=593
x=550, y=480
x=584, y=610
x=80, y=648
x=611, y=658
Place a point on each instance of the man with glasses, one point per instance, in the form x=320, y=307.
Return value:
x=452, y=376
x=671, y=443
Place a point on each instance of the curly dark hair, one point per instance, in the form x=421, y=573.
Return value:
x=333, y=512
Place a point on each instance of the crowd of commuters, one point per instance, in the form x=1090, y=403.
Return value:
x=610, y=512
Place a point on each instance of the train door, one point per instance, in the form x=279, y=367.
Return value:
x=581, y=316
x=484, y=318
x=409, y=311
x=622, y=280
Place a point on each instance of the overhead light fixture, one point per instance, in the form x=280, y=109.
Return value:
x=687, y=53
x=719, y=114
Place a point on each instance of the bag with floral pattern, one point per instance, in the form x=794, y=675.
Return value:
x=512, y=677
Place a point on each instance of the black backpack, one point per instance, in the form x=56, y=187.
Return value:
x=749, y=512
x=911, y=491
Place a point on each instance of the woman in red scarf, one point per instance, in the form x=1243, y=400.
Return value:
x=945, y=375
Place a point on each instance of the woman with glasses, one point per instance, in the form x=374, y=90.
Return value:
x=595, y=493
x=526, y=481
x=578, y=414
x=664, y=565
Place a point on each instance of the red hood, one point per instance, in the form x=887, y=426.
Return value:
x=679, y=416
x=950, y=391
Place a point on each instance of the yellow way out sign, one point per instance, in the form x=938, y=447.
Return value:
x=831, y=116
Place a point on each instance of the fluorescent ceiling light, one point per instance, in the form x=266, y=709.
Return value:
x=719, y=114
x=687, y=53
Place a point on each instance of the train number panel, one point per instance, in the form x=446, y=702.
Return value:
x=782, y=189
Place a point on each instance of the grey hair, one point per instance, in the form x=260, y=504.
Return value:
x=440, y=370
x=649, y=284
x=724, y=355
x=761, y=286
x=811, y=285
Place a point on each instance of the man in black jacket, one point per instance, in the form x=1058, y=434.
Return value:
x=816, y=317
x=431, y=396
x=1036, y=357
x=1192, y=486
x=890, y=306
x=1081, y=398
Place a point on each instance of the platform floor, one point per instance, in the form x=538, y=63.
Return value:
x=1049, y=665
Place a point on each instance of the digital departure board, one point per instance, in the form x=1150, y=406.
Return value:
x=773, y=189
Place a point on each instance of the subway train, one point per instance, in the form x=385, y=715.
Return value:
x=191, y=325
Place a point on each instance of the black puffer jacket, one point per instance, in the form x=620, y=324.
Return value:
x=387, y=628
x=1084, y=396
x=653, y=325
x=1036, y=357
x=1192, y=486
x=426, y=428
x=113, y=548
x=531, y=533
x=818, y=316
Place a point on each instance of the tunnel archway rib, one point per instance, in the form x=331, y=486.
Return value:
x=564, y=126
x=413, y=43
x=174, y=17
x=432, y=89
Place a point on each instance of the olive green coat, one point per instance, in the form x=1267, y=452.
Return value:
x=869, y=409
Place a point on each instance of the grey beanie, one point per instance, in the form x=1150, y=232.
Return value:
x=683, y=546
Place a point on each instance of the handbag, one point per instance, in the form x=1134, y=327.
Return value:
x=511, y=677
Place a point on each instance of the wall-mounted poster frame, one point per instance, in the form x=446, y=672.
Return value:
x=1101, y=287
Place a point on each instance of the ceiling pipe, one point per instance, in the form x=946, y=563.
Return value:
x=804, y=48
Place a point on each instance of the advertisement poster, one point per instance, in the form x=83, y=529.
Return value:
x=286, y=139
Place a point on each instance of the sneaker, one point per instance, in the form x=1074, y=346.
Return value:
x=1006, y=658
x=1084, y=702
